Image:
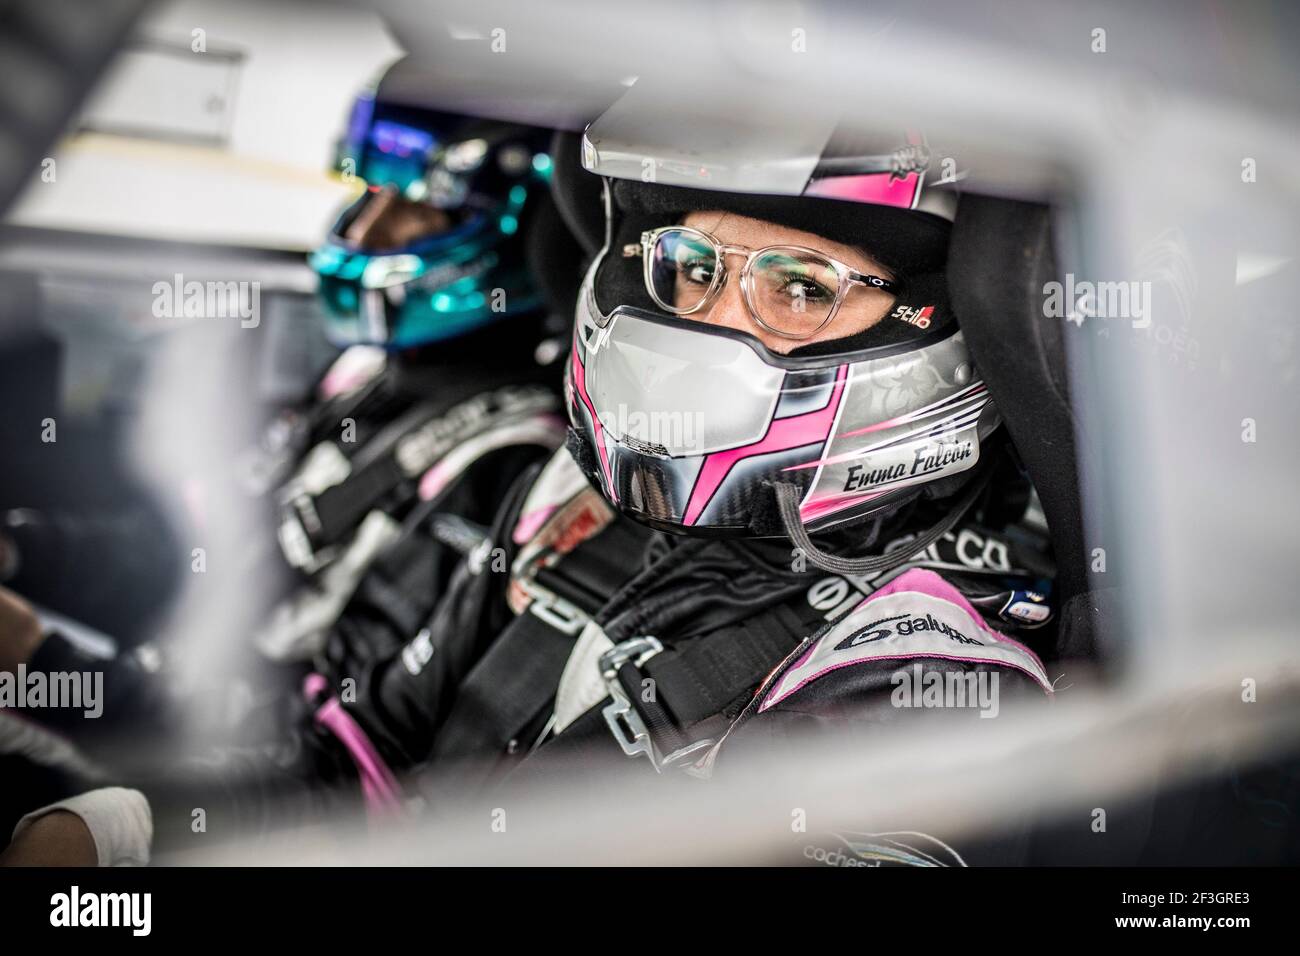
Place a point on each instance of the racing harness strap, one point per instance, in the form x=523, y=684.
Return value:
x=659, y=642
x=658, y=700
x=499, y=701
x=316, y=521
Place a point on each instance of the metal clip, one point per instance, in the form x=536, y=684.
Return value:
x=627, y=727
x=621, y=717
x=638, y=650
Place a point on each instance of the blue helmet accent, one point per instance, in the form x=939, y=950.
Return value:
x=434, y=248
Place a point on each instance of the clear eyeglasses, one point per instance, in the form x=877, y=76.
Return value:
x=791, y=291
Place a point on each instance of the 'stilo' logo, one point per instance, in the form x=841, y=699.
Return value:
x=919, y=316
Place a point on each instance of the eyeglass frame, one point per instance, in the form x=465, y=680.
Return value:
x=846, y=276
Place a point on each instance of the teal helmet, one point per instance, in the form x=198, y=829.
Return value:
x=435, y=247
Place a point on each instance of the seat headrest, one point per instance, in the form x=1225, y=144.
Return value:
x=578, y=193
x=999, y=260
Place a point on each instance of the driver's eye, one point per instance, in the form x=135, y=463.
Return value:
x=801, y=287
x=696, y=271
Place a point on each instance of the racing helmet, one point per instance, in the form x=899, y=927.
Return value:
x=435, y=247
x=699, y=429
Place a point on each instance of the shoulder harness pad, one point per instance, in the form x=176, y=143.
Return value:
x=918, y=615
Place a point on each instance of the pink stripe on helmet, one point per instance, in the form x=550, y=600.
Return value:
x=580, y=385
x=881, y=189
x=828, y=505
x=947, y=404
x=782, y=434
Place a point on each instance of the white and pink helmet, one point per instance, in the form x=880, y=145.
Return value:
x=700, y=429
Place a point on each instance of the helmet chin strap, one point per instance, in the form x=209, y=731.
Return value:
x=787, y=500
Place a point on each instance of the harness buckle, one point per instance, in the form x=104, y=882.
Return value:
x=625, y=721
x=298, y=521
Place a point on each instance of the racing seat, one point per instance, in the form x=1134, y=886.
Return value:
x=578, y=194
x=1021, y=355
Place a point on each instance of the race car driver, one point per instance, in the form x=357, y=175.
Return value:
x=448, y=386
x=785, y=491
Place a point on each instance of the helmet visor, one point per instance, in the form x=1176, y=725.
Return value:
x=667, y=388
x=383, y=220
